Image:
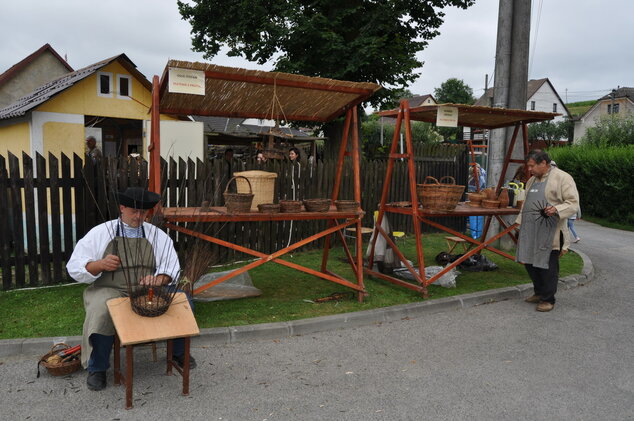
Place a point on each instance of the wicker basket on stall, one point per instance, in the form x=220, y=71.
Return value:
x=346, y=205
x=317, y=205
x=262, y=185
x=490, y=204
x=60, y=366
x=269, y=208
x=438, y=195
x=238, y=202
x=289, y=206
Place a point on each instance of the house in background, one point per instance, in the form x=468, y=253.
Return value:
x=31, y=72
x=620, y=102
x=110, y=100
x=541, y=95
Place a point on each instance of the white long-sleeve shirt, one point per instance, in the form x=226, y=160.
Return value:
x=93, y=246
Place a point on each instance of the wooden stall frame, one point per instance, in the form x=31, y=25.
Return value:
x=484, y=117
x=337, y=221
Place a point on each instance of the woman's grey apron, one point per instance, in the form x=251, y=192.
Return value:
x=536, y=232
x=137, y=261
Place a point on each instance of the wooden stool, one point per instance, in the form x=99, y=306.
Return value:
x=452, y=242
x=132, y=329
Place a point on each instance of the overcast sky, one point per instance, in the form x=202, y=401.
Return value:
x=585, y=47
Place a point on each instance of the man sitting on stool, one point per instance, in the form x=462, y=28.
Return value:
x=107, y=255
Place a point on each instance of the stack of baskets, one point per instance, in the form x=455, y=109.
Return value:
x=438, y=195
x=238, y=202
x=475, y=199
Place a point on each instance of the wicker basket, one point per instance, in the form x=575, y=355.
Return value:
x=474, y=204
x=289, y=206
x=238, y=202
x=269, y=208
x=66, y=366
x=439, y=195
x=346, y=205
x=317, y=205
x=490, y=204
x=476, y=197
x=262, y=183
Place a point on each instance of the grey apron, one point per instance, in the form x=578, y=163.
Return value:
x=137, y=261
x=536, y=233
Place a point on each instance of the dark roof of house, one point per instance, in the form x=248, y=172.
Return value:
x=54, y=87
x=623, y=92
x=532, y=86
x=16, y=68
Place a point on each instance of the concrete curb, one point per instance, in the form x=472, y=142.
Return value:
x=226, y=335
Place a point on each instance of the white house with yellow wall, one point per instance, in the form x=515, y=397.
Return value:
x=109, y=100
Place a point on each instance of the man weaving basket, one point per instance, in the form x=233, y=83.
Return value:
x=107, y=257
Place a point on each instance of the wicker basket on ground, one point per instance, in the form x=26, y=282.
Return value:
x=346, y=205
x=438, y=195
x=269, y=208
x=317, y=205
x=60, y=365
x=289, y=206
x=238, y=202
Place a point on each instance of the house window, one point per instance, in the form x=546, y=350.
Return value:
x=125, y=87
x=554, y=107
x=104, y=84
x=613, y=108
x=532, y=105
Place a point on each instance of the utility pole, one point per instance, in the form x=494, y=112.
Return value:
x=510, y=82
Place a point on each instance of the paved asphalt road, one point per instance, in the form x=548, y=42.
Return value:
x=500, y=361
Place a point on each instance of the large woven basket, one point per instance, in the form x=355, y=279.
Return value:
x=262, y=185
x=238, y=202
x=438, y=195
x=317, y=205
x=67, y=365
x=288, y=206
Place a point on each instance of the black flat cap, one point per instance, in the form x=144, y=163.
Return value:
x=138, y=198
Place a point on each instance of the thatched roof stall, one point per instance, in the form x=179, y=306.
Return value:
x=233, y=92
x=476, y=116
x=459, y=115
x=208, y=90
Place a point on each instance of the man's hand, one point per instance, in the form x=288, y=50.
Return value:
x=550, y=210
x=109, y=263
x=152, y=280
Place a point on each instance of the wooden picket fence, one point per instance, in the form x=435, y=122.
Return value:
x=50, y=203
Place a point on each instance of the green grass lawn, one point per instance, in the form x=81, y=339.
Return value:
x=58, y=311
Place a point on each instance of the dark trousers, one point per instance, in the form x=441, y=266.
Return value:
x=545, y=280
x=102, y=347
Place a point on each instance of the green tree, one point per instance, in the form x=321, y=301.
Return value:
x=356, y=40
x=549, y=131
x=371, y=139
x=611, y=130
x=454, y=91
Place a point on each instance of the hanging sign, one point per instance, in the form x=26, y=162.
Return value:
x=447, y=117
x=185, y=81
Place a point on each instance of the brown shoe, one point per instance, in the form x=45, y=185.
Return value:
x=534, y=299
x=545, y=306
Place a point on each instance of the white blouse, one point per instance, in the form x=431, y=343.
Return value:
x=93, y=246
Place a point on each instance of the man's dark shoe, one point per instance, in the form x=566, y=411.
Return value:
x=179, y=360
x=96, y=380
x=534, y=299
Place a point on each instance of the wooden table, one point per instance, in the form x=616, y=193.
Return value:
x=425, y=216
x=132, y=329
x=337, y=221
